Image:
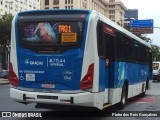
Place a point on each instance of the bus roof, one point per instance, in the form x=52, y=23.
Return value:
x=50, y=11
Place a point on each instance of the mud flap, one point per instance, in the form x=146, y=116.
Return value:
x=100, y=100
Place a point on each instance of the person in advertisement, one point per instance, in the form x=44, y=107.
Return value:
x=43, y=33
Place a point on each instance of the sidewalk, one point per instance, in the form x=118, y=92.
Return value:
x=4, y=81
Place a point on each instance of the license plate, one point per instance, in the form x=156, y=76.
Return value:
x=30, y=77
x=48, y=86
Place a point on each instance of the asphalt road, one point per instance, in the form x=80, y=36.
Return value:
x=149, y=103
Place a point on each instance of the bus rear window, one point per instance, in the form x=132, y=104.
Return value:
x=50, y=34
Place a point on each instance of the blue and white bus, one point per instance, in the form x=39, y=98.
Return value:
x=77, y=58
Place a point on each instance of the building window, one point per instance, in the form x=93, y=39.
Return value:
x=111, y=11
x=55, y=7
x=111, y=6
x=112, y=17
x=46, y=2
x=68, y=1
x=46, y=8
x=56, y=2
x=111, y=0
x=84, y=5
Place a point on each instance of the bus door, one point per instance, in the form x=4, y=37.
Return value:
x=106, y=54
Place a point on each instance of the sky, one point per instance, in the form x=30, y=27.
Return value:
x=147, y=9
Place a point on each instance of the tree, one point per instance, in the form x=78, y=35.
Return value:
x=5, y=29
x=154, y=48
x=143, y=37
x=5, y=36
x=156, y=53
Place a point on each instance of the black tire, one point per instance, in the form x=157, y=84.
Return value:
x=123, y=97
x=158, y=79
x=144, y=93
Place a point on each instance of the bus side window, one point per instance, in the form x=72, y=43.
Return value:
x=100, y=39
x=131, y=50
x=136, y=52
x=105, y=40
x=108, y=46
x=120, y=46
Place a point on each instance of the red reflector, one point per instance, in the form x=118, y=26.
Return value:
x=87, y=81
x=89, y=78
x=12, y=76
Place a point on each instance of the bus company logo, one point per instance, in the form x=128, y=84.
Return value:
x=26, y=61
x=32, y=62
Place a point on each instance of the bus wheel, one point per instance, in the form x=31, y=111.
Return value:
x=146, y=87
x=123, y=97
x=158, y=79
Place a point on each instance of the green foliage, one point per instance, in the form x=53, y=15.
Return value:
x=145, y=39
x=5, y=29
x=156, y=53
x=155, y=49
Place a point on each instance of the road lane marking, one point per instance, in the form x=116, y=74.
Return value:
x=144, y=100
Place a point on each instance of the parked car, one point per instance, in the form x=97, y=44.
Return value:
x=156, y=71
x=4, y=74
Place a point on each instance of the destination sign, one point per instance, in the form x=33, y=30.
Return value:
x=69, y=37
x=65, y=28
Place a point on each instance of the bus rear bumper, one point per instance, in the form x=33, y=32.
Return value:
x=79, y=99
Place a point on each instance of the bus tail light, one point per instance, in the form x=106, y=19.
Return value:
x=13, y=77
x=87, y=81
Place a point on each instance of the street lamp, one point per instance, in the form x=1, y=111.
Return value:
x=9, y=5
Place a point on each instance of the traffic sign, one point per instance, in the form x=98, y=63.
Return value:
x=141, y=26
x=142, y=30
x=141, y=23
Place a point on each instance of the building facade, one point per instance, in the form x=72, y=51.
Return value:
x=113, y=9
x=98, y=5
x=14, y=6
x=130, y=14
x=116, y=10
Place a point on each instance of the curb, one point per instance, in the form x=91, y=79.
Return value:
x=4, y=81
